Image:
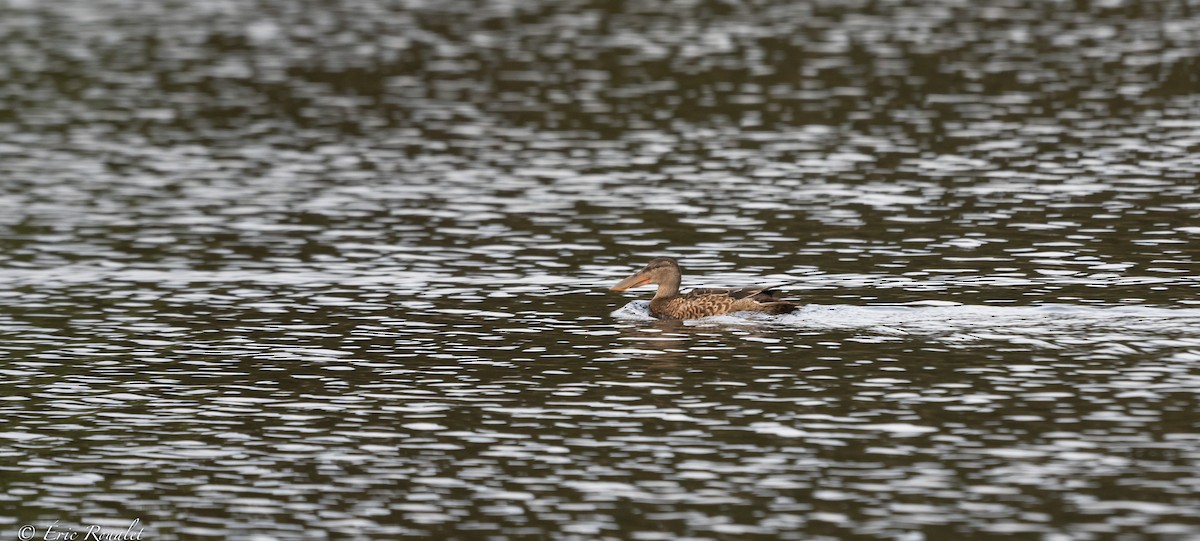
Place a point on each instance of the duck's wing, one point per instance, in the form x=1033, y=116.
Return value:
x=756, y=291
x=735, y=293
x=705, y=291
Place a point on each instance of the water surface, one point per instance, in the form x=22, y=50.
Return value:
x=339, y=269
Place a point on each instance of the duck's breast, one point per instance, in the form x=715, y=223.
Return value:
x=692, y=306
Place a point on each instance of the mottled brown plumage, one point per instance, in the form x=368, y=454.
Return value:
x=668, y=303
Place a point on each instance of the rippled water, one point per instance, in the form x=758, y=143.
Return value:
x=339, y=269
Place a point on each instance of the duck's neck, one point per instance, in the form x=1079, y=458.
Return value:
x=668, y=286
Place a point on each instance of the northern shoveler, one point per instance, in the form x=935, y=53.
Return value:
x=669, y=303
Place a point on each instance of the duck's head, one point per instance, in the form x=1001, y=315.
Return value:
x=658, y=271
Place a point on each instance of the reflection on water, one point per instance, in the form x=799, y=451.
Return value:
x=339, y=269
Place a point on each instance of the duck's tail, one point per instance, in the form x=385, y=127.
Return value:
x=777, y=307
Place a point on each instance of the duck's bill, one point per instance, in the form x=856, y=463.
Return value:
x=636, y=280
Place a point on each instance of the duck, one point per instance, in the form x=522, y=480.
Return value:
x=669, y=303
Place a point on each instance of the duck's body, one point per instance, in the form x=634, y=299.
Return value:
x=669, y=303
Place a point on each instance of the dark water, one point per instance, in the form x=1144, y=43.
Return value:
x=305, y=270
